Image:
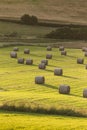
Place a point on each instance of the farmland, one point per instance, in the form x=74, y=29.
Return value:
x=25, y=105
x=22, y=88
x=18, y=91
x=18, y=88
x=60, y=10
x=22, y=121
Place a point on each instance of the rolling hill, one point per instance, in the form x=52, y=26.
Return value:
x=73, y=11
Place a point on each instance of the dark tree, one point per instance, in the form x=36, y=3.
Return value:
x=26, y=19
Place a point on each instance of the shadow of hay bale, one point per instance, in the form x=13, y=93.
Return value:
x=50, y=86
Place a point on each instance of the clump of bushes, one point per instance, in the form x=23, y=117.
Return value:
x=27, y=19
x=71, y=33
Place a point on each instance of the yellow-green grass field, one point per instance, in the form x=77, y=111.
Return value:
x=28, y=121
x=18, y=86
x=18, y=91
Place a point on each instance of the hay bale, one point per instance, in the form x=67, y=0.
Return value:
x=86, y=66
x=21, y=60
x=61, y=48
x=64, y=89
x=49, y=56
x=45, y=62
x=49, y=48
x=63, y=53
x=80, y=61
x=85, y=54
x=13, y=54
x=42, y=66
x=26, y=51
x=84, y=49
x=15, y=49
x=85, y=93
x=58, y=71
x=29, y=61
x=39, y=80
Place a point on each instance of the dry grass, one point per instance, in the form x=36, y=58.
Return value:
x=67, y=11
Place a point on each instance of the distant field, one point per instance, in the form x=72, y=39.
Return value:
x=32, y=35
x=28, y=121
x=25, y=33
x=17, y=84
x=60, y=10
x=24, y=30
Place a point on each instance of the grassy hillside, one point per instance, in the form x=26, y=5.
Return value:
x=28, y=121
x=61, y=10
x=32, y=35
x=24, y=30
x=17, y=81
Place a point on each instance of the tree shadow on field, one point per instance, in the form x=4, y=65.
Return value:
x=50, y=86
x=69, y=77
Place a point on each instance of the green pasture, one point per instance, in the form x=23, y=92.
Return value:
x=28, y=31
x=28, y=121
x=17, y=82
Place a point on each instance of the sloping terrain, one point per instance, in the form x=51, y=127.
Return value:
x=61, y=10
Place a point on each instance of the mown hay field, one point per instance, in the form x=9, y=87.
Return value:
x=18, y=86
x=18, y=91
x=28, y=121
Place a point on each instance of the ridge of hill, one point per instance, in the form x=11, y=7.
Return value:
x=73, y=11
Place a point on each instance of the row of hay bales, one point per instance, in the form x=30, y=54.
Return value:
x=13, y=54
x=63, y=89
x=61, y=49
x=81, y=60
x=42, y=65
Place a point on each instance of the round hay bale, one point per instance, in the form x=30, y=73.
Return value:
x=39, y=80
x=29, y=61
x=63, y=53
x=26, y=51
x=80, y=61
x=64, y=89
x=49, y=56
x=49, y=48
x=13, y=54
x=15, y=49
x=61, y=48
x=84, y=49
x=85, y=54
x=58, y=71
x=42, y=66
x=45, y=62
x=86, y=66
x=85, y=93
x=21, y=60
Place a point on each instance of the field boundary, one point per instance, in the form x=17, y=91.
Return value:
x=43, y=22
x=63, y=111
